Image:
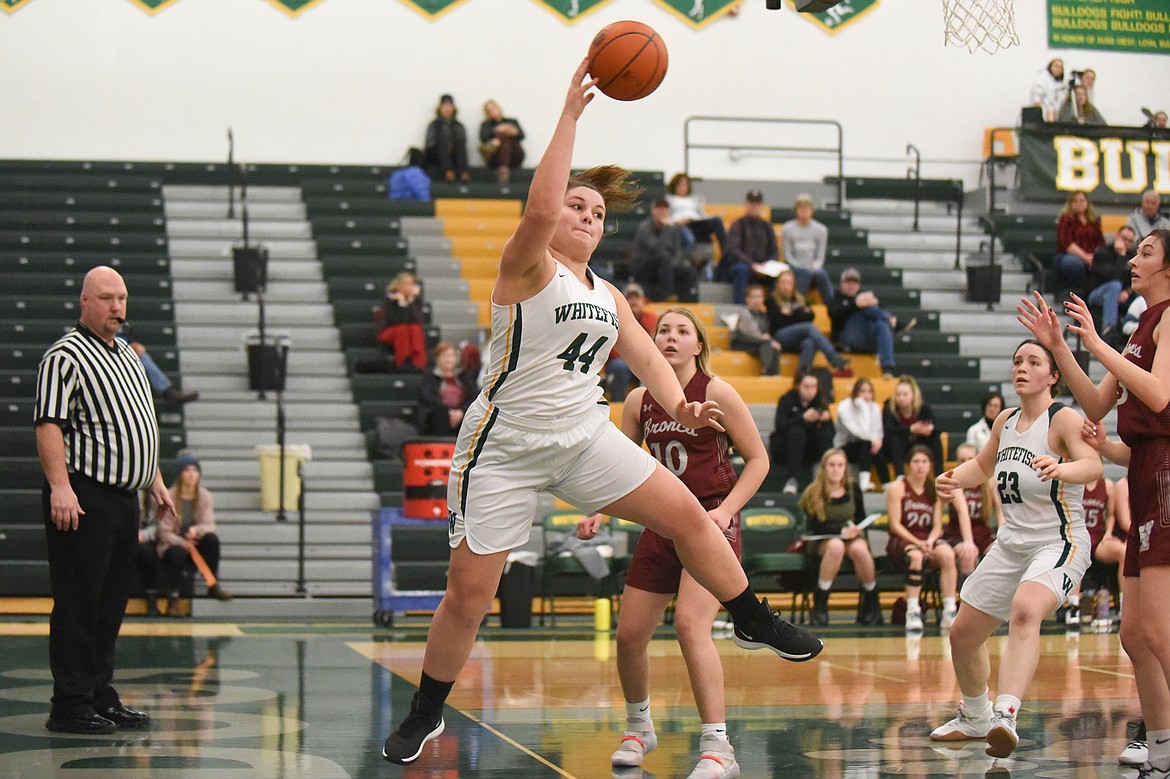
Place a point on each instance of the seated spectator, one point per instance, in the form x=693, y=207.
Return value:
x=411, y=182
x=978, y=433
x=975, y=511
x=618, y=373
x=191, y=529
x=859, y=431
x=752, y=334
x=499, y=141
x=907, y=421
x=916, y=527
x=1107, y=550
x=803, y=431
x=159, y=383
x=146, y=562
x=688, y=210
x=791, y=323
x=1076, y=109
x=750, y=243
x=860, y=324
x=1129, y=322
x=1108, y=284
x=834, y=505
x=445, y=152
x=445, y=393
x=1148, y=216
x=1049, y=90
x=1161, y=120
x=658, y=261
x=805, y=243
x=1078, y=235
x=402, y=319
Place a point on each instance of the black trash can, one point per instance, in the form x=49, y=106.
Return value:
x=984, y=283
x=267, y=362
x=515, y=593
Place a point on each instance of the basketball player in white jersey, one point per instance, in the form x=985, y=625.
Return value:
x=541, y=425
x=1038, y=462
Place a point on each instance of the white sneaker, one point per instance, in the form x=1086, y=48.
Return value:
x=1147, y=771
x=1073, y=615
x=913, y=620
x=716, y=760
x=791, y=487
x=633, y=748
x=964, y=727
x=1135, y=753
x=948, y=617
x=1001, y=736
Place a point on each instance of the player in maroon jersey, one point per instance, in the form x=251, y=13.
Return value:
x=982, y=506
x=1138, y=382
x=701, y=459
x=915, y=512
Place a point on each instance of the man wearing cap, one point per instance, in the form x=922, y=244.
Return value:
x=750, y=242
x=659, y=263
x=860, y=324
x=445, y=156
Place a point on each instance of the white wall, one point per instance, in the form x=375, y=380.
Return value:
x=357, y=80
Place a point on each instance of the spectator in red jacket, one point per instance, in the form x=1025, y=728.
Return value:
x=1078, y=235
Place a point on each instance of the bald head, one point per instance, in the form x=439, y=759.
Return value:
x=103, y=302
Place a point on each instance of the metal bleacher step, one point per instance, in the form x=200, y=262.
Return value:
x=278, y=249
x=231, y=336
x=220, y=268
x=210, y=209
x=259, y=230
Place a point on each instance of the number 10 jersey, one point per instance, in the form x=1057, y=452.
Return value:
x=546, y=352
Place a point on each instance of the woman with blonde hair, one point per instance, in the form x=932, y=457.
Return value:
x=499, y=141
x=701, y=458
x=907, y=420
x=835, y=506
x=791, y=321
x=402, y=318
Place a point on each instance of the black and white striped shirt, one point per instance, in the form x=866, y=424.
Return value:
x=100, y=397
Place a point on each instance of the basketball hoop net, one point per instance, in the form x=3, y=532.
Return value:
x=980, y=24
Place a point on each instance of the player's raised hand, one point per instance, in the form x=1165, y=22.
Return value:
x=580, y=90
x=1041, y=320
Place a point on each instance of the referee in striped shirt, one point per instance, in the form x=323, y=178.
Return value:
x=98, y=442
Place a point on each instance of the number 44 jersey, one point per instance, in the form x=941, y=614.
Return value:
x=546, y=352
x=1034, y=511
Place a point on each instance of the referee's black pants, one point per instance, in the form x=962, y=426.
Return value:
x=91, y=570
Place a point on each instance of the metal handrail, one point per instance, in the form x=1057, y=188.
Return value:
x=734, y=149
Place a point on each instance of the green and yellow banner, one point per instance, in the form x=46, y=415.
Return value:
x=839, y=16
x=1114, y=165
x=153, y=6
x=571, y=10
x=8, y=6
x=699, y=13
x=1140, y=26
x=433, y=9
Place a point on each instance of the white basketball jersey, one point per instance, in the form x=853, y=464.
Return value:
x=1035, y=510
x=547, y=352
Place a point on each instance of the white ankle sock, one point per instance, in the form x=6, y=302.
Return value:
x=977, y=706
x=638, y=714
x=1159, y=752
x=718, y=729
x=1007, y=704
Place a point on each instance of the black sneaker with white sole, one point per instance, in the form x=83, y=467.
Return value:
x=405, y=744
x=782, y=637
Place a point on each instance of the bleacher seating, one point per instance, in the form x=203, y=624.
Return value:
x=60, y=220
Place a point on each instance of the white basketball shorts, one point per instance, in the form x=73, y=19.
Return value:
x=1059, y=565
x=502, y=463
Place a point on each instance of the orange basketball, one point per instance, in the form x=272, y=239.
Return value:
x=628, y=59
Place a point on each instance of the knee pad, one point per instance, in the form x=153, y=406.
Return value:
x=913, y=578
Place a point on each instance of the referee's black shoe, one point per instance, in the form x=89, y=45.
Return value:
x=405, y=744
x=768, y=631
x=89, y=724
x=124, y=717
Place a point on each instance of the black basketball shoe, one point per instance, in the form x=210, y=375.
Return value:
x=783, y=638
x=405, y=744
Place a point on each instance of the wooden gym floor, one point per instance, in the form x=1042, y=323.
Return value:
x=316, y=700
